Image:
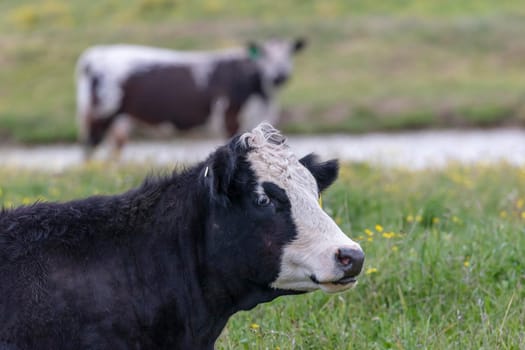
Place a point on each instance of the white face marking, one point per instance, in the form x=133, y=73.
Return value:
x=318, y=239
x=275, y=61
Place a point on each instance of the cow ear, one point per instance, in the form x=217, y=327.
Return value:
x=218, y=173
x=324, y=173
x=299, y=44
x=254, y=50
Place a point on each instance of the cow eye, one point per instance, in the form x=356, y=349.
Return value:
x=263, y=200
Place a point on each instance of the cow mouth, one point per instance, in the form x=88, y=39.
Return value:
x=342, y=281
x=345, y=280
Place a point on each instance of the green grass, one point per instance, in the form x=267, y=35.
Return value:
x=370, y=65
x=445, y=264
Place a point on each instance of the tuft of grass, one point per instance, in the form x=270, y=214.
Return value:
x=444, y=267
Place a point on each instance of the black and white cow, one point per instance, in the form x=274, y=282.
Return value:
x=225, y=90
x=165, y=265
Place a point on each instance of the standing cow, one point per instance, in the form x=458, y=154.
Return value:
x=225, y=90
x=165, y=265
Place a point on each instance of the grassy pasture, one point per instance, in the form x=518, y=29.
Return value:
x=445, y=262
x=371, y=65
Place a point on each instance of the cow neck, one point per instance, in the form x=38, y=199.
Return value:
x=179, y=220
x=223, y=301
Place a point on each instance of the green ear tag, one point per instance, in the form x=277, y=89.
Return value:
x=254, y=52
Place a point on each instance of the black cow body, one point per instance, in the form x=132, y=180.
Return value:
x=162, y=266
x=124, y=272
x=149, y=95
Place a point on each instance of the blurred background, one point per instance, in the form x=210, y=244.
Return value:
x=369, y=65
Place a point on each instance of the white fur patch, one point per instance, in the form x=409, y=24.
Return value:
x=83, y=103
x=313, y=251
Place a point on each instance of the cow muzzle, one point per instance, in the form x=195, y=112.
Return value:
x=280, y=79
x=349, y=263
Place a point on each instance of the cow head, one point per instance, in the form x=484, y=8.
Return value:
x=267, y=227
x=274, y=58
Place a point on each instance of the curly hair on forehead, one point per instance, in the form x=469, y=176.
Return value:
x=262, y=134
x=272, y=159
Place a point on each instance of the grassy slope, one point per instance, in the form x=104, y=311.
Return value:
x=370, y=65
x=445, y=265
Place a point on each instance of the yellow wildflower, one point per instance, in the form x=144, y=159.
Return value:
x=455, y=219
x=371, y=270
x=255, y=326
x=519, y=203
x=389, y=235
x=370, y=239
x=419, y=218
x=395, y=248
x=379, y=228
x=466, y=263
x=369, y=232
x=503, y=214
x=410, y=218
x=523, y=214
x=435, y=220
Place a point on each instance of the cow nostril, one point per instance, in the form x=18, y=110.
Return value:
x=280, y=79
x=351, y=260
x=343, y=259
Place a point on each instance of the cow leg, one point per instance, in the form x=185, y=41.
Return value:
x=98, y=127
x=120, y=134
x=215, y=126
x=231, y=120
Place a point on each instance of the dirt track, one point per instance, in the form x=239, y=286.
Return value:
x=410, y=149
